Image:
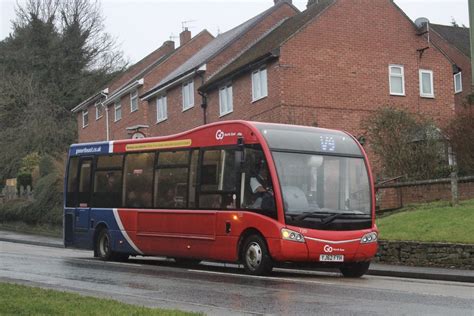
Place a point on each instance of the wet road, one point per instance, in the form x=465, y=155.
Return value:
x=214, y=290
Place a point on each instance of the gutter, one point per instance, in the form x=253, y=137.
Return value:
x=170, y=84
x=214, y=83
x=124, y=90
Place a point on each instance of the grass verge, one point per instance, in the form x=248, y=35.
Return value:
x=39, y=229
x=433, y=222
x=23, y=300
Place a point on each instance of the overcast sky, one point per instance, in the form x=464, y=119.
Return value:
x=141, y=26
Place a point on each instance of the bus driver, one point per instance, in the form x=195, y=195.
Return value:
x=261, y=187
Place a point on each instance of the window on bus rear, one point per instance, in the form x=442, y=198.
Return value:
x=71, y=198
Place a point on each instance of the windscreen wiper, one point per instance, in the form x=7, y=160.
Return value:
x=310, y=214
x=331, y=218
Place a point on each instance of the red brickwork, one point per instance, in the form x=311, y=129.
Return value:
x=338, y=65
x=392, y=198
x=179, y=121
x=146, y=113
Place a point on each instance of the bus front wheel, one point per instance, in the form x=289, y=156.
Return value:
x=255, y=256
x=104, y=248
x=354, y=269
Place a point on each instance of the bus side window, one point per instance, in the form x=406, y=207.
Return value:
x=219, y=176
x=138, y=180
x=171, y=179
x=108, y=182
x=71, y=197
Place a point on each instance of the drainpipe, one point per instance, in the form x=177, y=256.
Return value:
x=106, y=116
x=204, y=101
x=471, y=26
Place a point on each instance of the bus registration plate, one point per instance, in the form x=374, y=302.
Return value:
x=331, y=258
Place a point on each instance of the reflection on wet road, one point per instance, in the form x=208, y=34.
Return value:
x=213, y=289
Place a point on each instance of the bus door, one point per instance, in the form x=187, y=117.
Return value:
x=82, y=212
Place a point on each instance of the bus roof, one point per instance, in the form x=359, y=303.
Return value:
x=278, y=137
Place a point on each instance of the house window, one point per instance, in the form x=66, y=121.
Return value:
x=188, y=95
x=426, y=84
x=225, y=100
x=118, y=111
x=85, y=118
x=161, y=109
x=397, y=80
x=259, y=84
x=99, y=110
x=458, y=83
x=134, y=101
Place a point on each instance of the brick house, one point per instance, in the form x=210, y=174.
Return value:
x=179, y=106
x=331, y=65
x=117, y=112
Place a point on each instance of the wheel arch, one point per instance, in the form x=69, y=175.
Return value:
x=98, y=228
x=244, y=235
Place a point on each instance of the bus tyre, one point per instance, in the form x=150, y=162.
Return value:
x=104, y=248
x=354, y=269
x=255, y=256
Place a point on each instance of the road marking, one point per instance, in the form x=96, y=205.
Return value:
x=262, y=277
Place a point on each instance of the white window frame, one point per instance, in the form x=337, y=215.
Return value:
x=85, y=113
x=117, y=107
x=259, y=84
x=456, y=88
x=98, y=106
x=422, y=94
x=226, y=103
x=402, y=75
x=133, y=97
x=163, y=102
x=187, y=92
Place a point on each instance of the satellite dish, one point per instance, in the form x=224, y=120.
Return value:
x=421, y=22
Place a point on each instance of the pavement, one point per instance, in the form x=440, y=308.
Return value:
x=428, y=273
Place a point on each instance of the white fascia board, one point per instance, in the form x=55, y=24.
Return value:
x=170, y=85
x=112, y=98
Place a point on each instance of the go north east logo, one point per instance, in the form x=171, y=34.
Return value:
x=220, y=134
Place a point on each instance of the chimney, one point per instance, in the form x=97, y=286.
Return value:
x=184, y=36
x=279, y=1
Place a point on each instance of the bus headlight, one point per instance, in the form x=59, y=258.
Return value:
x=368, y=238
x=288, y=234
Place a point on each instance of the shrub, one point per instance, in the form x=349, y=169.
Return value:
x=406, y=144
x=461, y=135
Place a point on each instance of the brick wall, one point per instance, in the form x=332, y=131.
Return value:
x=338, y=65
x=282, y=11
x=395, y=197
x=179, y=121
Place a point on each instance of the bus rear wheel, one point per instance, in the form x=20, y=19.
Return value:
x=103, y=248
x=354, y=269
x=255, y=256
